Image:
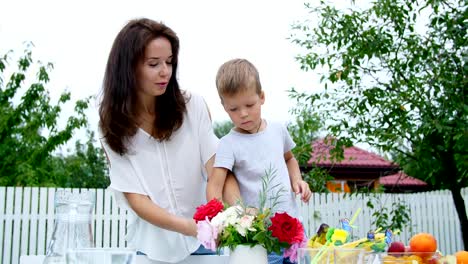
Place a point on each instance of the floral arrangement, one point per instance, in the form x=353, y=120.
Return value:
x=229, y=226
x=221, y=225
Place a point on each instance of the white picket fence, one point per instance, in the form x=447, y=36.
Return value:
x=27, y=217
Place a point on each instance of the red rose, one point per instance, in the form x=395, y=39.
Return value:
x=286, y=228
x=210, y=210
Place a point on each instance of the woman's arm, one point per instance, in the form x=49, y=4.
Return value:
x=149, y=211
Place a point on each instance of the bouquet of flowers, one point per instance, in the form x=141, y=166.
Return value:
x=229, y=226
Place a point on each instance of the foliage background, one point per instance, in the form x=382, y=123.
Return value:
x=398, y=87
x=30, y=132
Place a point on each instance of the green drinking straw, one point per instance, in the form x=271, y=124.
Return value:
x=355, y=216
x=318, y=256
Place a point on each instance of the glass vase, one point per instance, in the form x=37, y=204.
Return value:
x=72, y=225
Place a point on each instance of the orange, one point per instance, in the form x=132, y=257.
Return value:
x=462, y=257
x=423, y=242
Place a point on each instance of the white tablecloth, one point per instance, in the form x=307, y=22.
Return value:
x=209, y=259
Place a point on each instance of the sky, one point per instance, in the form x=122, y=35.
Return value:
x=76, y=37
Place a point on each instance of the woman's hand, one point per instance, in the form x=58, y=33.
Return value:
x=190, y=228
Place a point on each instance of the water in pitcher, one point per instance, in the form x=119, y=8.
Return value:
x=73, y=224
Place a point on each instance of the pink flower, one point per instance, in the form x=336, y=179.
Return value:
x=207, y=234
x=291, y=252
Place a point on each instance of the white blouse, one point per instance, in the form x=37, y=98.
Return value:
x=172, y=174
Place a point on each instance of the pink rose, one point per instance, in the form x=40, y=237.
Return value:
x=291, y=252
x=207, y=234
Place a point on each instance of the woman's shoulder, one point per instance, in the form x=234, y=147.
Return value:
x=192, y=98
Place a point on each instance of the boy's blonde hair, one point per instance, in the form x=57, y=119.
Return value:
x=236, y=76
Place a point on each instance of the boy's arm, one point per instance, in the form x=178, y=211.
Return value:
x=224, y=186
x=216, y=180
x=231, y=192
x=298, y=185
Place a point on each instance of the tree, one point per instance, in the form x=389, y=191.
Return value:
x=395, y=85
x=29, y=131
x=86, y=167
x=222, y=128
x=304, y=130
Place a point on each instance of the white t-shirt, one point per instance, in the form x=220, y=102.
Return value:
x=172, y=173
x=249, y=156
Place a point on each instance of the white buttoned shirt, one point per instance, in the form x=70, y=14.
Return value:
x=172, y=174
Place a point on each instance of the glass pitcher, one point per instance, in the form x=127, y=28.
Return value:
x=73, y=224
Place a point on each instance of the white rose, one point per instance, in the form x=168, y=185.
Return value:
x=244, y=224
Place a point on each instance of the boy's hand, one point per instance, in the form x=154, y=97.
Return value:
x=302, y=187
x=251, y=210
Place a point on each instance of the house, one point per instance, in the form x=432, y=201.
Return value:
x=360, y=169
x=400, y=182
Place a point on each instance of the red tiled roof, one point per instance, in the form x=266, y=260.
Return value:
x=353, y=157
x=401, y=179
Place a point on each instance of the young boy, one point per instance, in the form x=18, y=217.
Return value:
x=254, y=145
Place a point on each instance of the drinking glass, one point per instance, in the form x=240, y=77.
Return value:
x=100, y=256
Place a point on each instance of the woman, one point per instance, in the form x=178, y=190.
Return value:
x=159, y=141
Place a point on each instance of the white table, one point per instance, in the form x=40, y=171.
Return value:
x=203, y=259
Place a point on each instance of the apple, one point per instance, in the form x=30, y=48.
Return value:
x=396, y=247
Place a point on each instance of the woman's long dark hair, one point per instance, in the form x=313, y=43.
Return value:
x=117, y=111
